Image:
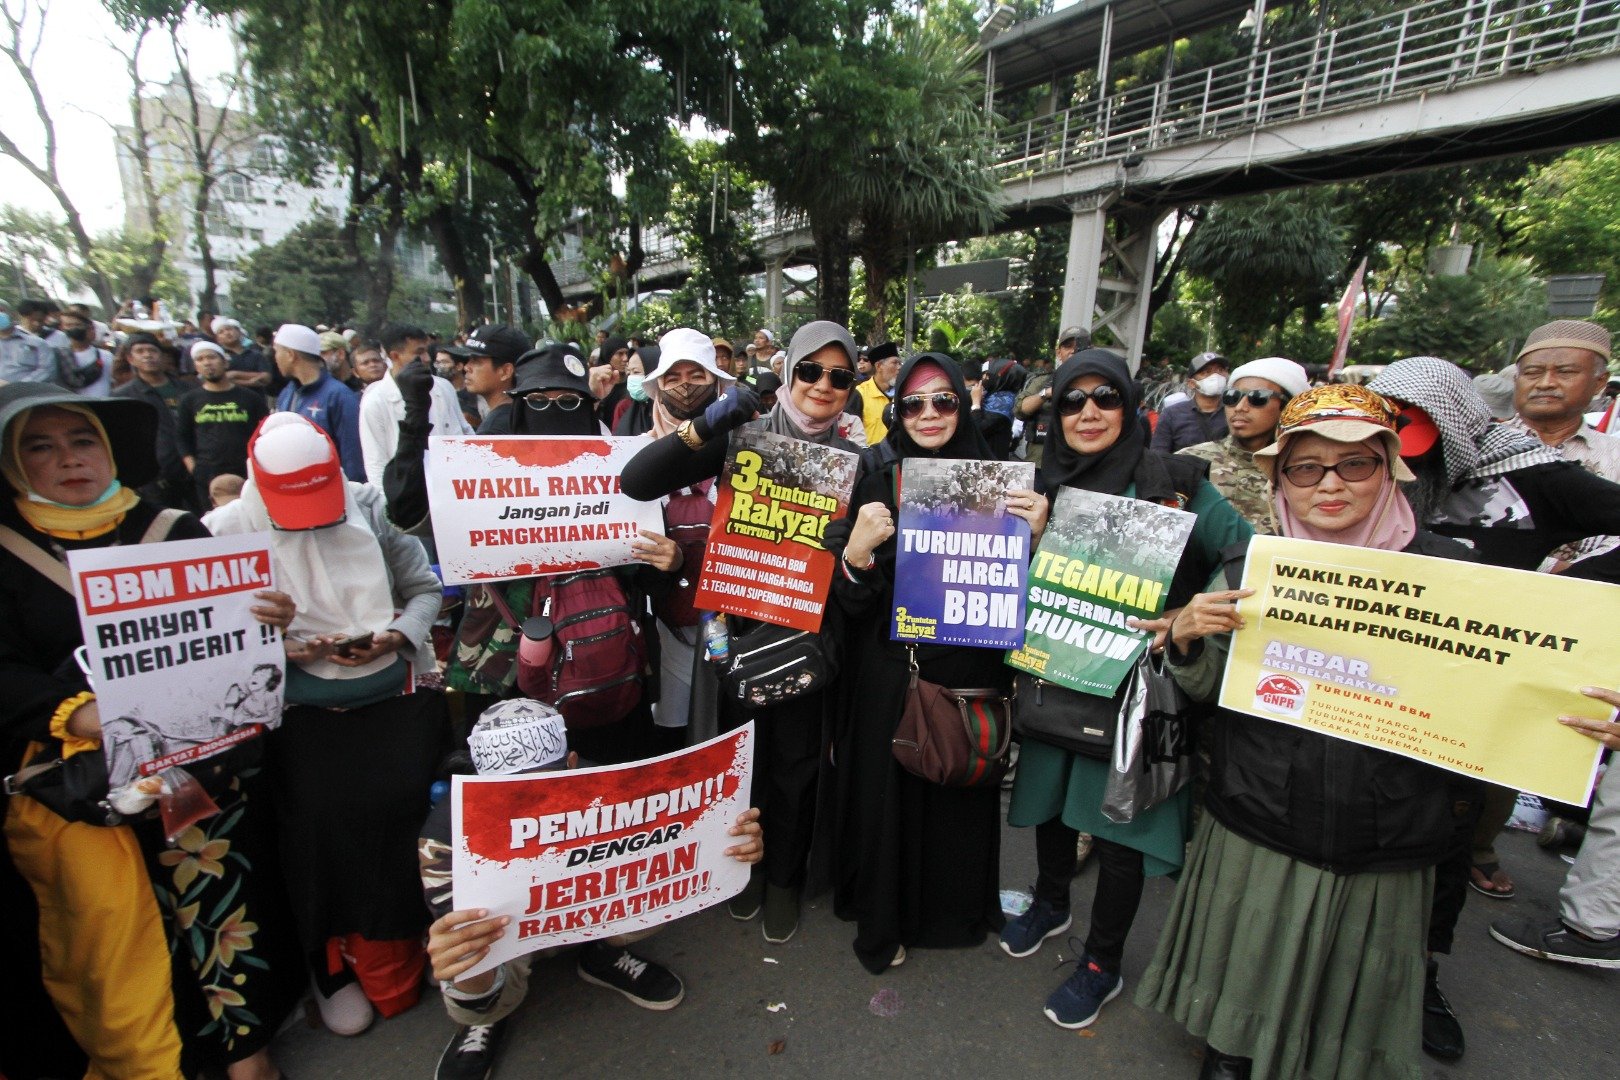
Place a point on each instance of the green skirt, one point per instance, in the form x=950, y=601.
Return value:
x=1312, y=974
x=1053, y=782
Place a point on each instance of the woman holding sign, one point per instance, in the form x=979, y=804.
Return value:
x=1098, y=445
x=113, y=902
x=821, y=359
x=1295, y=942
x=919, y=864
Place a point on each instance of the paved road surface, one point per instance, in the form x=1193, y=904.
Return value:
x=973, y=1012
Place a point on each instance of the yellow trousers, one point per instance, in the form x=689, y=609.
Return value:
x=102, y=945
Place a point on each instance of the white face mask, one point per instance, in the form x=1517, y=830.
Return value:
x=1211, y=385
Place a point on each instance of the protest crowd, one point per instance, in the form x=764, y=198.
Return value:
x=1319, y=880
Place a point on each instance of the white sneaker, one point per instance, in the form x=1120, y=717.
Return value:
x=347, y=1012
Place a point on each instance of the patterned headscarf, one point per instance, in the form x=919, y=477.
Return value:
x=1472, y=447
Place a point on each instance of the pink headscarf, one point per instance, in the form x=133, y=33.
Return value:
x=921, y=372
x=1390, y=526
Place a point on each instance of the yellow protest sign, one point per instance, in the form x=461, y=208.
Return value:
x=1466, y=667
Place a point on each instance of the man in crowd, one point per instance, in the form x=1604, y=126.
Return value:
x=311, y=392
x=23, y=357
x=1037, y=391
x=1514, y=500
x=457, y=939
x=335, y=354
x=89, y=370
x=875, y=393
x=215, y=421
x=382, y=407
x=1199, y=419
x=723, y=357
x=491, y=372
x=368, y=363
x=607, y=377
x=42, y=318
x=248, y=365
x=1562, y=367
x=1253, y=403
x=153, y=385
x=764, y=345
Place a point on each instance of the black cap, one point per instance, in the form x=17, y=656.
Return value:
x=763, y=380
x=554, y=367
x=502, y=344
x=141, y=337
x=882, y=351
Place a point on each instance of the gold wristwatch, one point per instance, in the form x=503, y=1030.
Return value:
x=689, y=435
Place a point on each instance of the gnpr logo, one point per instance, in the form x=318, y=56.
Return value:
x=1281, y=694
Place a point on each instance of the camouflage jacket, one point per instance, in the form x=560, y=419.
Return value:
x=1233, y=472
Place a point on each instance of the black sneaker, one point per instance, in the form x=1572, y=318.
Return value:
x=471, y=1053
x=1442, y=1031
x=1555, y=941
x=647, y=984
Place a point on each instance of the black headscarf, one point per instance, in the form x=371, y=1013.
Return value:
x=1110, y=471
x=967, y=443
x=1004, y=377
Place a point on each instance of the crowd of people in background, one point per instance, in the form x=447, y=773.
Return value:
x=1292, y=948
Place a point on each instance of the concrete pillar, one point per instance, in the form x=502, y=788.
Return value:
x=1081, y=269
x=1107, y=278
x=773, y=293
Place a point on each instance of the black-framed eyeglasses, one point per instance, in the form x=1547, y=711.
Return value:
x=1350, y=470
x=1105, y=397
x=566, y=402
x=1258, y=399
x=808, y=371
x=912, y=405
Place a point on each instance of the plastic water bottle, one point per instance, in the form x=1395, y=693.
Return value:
x=716, y=641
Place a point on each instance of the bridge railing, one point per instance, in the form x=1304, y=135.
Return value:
x=1426, y=47
x=663, y=246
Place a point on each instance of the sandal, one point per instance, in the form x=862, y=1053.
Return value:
x=1489, y=879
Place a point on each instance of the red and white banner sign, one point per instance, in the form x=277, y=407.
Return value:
x=181, y=668
x=1347, y=317
x=589, y=853
x=516, y=506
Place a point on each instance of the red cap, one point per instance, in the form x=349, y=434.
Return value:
x=296, y=469
x=1417, y=431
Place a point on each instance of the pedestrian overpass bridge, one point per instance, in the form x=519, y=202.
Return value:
x=1439, y=82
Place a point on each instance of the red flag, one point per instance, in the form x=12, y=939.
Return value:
x=1347, y=315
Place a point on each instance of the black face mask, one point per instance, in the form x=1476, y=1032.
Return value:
x=78, y=333
x=688, y=399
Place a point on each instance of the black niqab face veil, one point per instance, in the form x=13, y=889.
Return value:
x=1109, y=471
x=967, y=442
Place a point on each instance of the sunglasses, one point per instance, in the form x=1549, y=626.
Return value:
x=1105, y=397
x=912, y=405
x=808, y=371
x=1257, y=398
x=1350, y=470
x=540, y=403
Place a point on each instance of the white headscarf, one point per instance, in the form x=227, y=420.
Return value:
x=336, y=575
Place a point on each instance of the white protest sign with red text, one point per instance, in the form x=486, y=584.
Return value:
x=589, y=853
x=516, y=506
x=180, y=667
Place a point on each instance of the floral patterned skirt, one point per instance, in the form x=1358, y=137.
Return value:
x=238, y=972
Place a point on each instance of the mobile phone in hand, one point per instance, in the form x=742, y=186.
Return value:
x=347, y=646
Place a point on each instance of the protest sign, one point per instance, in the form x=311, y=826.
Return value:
x=765, y=559
x=517, y=506
x=1103, y=559
x=1463, y=666
x=960, y=557
x=586, y=854
x=180, y=667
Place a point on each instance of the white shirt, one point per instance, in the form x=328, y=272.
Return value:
x=382, y=407
x=83, y=358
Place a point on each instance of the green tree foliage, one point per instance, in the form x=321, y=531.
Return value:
x=710, y=200
x=864, y=118
x=306, y=278
x=1568, y=219
x=1267, y=256
x=1475, y=320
